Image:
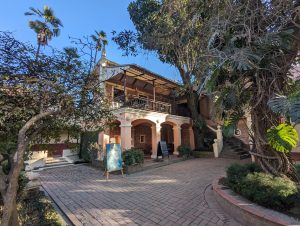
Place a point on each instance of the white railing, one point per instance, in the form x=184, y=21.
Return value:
x=141, y=103
x=218, y=142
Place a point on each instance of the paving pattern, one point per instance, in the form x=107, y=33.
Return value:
x=177, y=194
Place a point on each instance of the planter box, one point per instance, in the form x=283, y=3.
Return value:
x=246, y=212
x=203, y=154
x=133, y=168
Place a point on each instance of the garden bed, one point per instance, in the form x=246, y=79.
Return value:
x=133, y=168
x=203, y=154
x=246, y=212
x=35, y=208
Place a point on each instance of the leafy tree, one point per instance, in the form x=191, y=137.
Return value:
x=255, y=46
x=46, y=28
x=175, y=31
x=37, y=96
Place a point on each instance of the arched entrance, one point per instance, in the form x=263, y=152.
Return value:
x=141, y=133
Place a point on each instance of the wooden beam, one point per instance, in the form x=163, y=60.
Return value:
x=121, y=77
x=135, y=80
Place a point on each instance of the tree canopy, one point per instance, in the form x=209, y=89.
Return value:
x=38, y=96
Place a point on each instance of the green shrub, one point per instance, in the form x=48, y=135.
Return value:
x=36, y=209
x=185, y=150
x=264, y=189
x=236, y=173
x=272, y=192
x=133, y=156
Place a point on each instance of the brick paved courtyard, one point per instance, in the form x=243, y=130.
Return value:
x=177, y=194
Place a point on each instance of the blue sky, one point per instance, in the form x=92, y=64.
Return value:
x=80, y=18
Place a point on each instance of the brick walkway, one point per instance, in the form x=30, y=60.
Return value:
x=177, y=194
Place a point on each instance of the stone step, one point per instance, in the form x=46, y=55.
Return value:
x=235, y=150
x=50, y=160
x=54, y=166
x=234, y=156
x=57, y=163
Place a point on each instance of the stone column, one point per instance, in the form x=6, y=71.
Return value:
x=192, y=138
x=156, y=137
x=125, y=136
x=177, y=138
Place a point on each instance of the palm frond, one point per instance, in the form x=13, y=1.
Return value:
x=105, y=42
x=94, y=38
x=36, y=25
x=102, y=34
x=49, y=25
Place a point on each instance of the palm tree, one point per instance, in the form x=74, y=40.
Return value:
x=100, y=39
x=46, y=28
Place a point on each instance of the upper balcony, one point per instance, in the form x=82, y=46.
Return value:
x=142, y=103
x=135, y=87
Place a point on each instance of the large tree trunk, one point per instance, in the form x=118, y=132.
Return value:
x=271, y=161
x=9, y=217
x=193, y=105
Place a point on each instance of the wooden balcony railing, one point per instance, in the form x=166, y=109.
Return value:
x=141, y=103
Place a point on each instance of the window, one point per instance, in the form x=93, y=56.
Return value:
x=142, y=138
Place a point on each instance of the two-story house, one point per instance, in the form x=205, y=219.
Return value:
x=148, y=109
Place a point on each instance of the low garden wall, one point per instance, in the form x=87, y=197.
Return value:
x=246, y=212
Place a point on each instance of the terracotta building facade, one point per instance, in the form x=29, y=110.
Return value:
x=148, y=109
